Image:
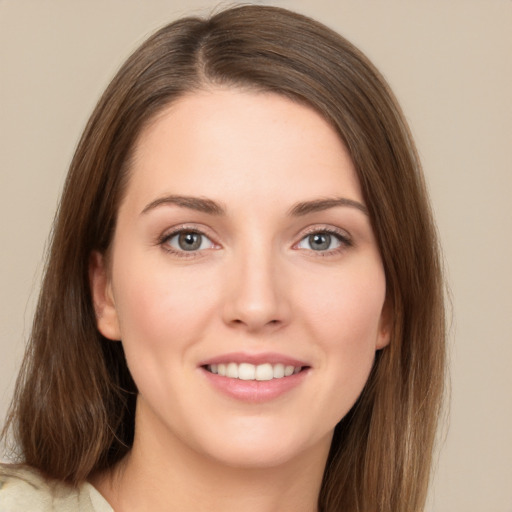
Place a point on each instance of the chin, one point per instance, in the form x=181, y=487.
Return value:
x=257, y=457
x=254, y=448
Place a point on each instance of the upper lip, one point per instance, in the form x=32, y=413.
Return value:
x=256, y=359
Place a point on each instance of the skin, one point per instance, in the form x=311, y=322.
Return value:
x=255, y=285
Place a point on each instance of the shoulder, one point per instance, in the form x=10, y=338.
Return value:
x=23, y=489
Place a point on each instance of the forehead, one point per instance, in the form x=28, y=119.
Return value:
x=227, y=143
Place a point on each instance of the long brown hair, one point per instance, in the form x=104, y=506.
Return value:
x=73, y=411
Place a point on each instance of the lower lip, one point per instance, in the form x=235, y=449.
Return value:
x=255, y=391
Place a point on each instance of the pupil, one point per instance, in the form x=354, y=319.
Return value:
x=320, y=242
x=189, y=241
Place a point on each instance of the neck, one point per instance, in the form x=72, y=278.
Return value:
x=171, y=476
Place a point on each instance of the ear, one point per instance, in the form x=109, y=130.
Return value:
x=102, y=297
x=385, y=324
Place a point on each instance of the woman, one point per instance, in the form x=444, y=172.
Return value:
x=243, y=299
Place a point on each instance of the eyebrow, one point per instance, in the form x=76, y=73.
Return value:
x=210, y=207
x=199, y=204
x=318, y=205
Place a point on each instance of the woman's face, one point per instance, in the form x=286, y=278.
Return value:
x=243, y=248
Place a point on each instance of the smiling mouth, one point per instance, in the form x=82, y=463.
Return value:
x=259, y=372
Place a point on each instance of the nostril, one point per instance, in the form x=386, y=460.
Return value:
x=237, y=321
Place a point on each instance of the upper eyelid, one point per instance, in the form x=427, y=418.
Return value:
x=324, y=228
x=180, y=228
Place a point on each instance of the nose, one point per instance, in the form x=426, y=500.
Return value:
x=256, y=292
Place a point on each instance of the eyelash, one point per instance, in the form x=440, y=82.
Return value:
x=341, y=236
x=163, y=241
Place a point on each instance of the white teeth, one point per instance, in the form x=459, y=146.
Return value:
x=278, y=371
x=247, y=371
x=288, y=370
x=232, y=370
x=264, y=372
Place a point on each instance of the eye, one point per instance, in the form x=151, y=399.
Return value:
x=321, y=241
x=188, y=241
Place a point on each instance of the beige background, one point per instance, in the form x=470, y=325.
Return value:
x=450, y=65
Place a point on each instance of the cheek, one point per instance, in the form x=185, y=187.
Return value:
x=347, y=306
x=160, y=309
x=344, y=317
x=162, y=314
